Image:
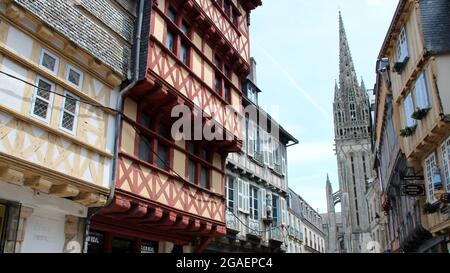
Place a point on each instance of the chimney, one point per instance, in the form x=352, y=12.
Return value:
x=252, y=75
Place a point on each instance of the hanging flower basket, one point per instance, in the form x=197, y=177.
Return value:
x=408, y=131
x=430, y=209
x=420, y=114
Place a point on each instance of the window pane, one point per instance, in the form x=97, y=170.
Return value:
x=42, y=90
x=204, y=178
x=146, y=121
x=184, y=54
x=40, y=108
x=185, y=28
x=191, y=171
x=227, y=95
x=191, y=147
x=74, y=77
x=68, y=121
x=163, y=157
x=218, y=84
x=164, y=131
x=48, y=61
x=144, y=148
x=70, y=104
x=172, y=15
x=204, y=154
x=170, y=41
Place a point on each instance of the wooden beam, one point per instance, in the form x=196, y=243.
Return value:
x=14, y=12
x=38, y=183
x=11, y=176
x=90, y=199
x=64, y=191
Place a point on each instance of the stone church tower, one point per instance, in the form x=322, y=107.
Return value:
x=352, y=122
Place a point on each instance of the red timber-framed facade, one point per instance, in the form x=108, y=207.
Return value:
x=169, y=193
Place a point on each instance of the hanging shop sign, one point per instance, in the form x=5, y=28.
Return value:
x=413, y=190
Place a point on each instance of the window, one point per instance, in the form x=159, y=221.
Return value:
x=74, y=76
x=42, y=100
x=69, y=113
x=204, y=178
x=184, y=54
x=275, y=210
x=144, y=148
x=243, y=196
x=230, y=11
x=430, y=165
x=218, y=84
x=198, y=171
x=170, y=41
x=192, y=166
x=172, y=15
x=446, y=161
x=402, y=46
x=185, y=28
x=409, y=110
x=162, y=160
x=254, y=203
x=227, y=95
x=252, y=94
x=49, y=61
x=422, y=98
x=229, y=191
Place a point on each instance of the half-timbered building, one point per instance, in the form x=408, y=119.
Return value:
x=58, y=84
x=169, y=192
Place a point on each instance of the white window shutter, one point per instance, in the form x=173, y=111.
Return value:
x=240, y=195
x=265, y=150
x=283, y=211
x=409, y=110
x=283, y=158
x=270, y=147
x=247, y=197
x=263, y=204
x=251, y=139
x=244, y=135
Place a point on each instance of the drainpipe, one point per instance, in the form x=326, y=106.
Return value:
x=119, y=106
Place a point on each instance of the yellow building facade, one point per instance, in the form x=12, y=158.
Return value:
x=56, y=133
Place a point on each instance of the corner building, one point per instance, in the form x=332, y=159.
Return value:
x=169, y=194
x=57, y=84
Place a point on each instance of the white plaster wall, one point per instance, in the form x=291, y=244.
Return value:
x=44, y=232
x=12, y=90
x=19, y=42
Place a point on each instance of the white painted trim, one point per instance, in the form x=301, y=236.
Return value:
x=77, y=110
x=66, y=77
x=50, y=100
x=43, y=50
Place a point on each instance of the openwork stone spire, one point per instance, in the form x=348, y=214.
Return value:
x=347, y=74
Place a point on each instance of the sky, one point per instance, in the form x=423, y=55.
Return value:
x=296, y=47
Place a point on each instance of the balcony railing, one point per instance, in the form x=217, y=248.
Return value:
x=254, y=227
x=275, y=234
x=231, y=221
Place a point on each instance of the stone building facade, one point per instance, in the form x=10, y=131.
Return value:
x=257, y=183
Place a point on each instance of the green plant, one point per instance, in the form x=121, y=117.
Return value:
x=408, y=131
x=430, y=208
x=420, y=114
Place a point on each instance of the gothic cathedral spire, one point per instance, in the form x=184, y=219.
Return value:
x=347, y=74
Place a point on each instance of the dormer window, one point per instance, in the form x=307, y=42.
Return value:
x=252, y=94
